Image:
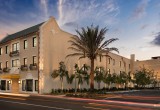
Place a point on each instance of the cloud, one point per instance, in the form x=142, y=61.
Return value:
x=44, y=7
x=144, y=26
x=140, y=10
x=80, y=11
x=72, y=24
x=156, y=40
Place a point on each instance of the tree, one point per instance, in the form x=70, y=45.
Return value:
x=143, y=77
x=99, y=71
x=91, y=43
x=107, y=79
x=61, y=73
x=82, y=74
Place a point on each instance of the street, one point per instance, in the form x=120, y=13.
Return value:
x=119, y=102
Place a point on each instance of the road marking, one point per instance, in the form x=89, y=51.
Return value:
x=34, y=105
x=119, y=106
x=95, y=108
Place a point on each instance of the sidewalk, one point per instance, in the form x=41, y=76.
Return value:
x=14, y=94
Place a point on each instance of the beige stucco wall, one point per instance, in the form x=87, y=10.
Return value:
x=54, y=48
x=152, y=64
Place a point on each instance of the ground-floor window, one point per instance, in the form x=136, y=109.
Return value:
x=8, y=88
x=23, y=85
x=29, y=85
x=36, y=85
x=3, y=84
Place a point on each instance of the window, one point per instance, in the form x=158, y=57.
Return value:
x=120, y=72
x=6, y=49
x=23, y=85
x=120, y=63
x=15, y=46
x=25, y=61
x=129, y=66
x=113, y=61
x=36, y=85
x=8, y=88
x=3, y=84
x=15, y=63
x=34, y=41
x=34, y=59
x=25, y=44
x=0, y=51
x=109, y=60
x=6, y=64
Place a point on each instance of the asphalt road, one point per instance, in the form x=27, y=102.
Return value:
x=52, y=103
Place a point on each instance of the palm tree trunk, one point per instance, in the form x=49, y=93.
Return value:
x=62, y=84
x=79, y=86
x=92, y=75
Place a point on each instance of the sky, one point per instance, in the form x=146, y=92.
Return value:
x=136, y=23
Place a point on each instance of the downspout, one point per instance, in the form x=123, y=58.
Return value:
x=38, y=58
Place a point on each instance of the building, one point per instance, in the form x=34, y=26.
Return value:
x=28, y=57
x=151, y=64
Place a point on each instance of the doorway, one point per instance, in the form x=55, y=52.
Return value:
x=3, y=84
x=29, y=85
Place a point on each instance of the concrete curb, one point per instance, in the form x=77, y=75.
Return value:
x=13, y=94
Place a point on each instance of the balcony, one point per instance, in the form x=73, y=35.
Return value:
x=6, y=70
x=14, y=53
x=33, y=66
x=24, y=68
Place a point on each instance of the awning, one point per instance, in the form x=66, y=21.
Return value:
x=9, y=76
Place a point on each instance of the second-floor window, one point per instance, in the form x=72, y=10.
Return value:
x=34, y=41
x=15, y=46
x=120, y=63
x=7, y=64
x=15, y=63
x=109, y=60
x=34, y=59
x=25, y=44
x=7, y=50
x=25, y=61
x=0, y=51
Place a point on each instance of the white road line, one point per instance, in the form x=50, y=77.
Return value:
x=34, y=105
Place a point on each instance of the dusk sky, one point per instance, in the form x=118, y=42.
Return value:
x=135, y=22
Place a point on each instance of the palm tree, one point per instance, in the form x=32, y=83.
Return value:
x=91, y=43
x=81, y=74
x=99, y=71
x=61, y=73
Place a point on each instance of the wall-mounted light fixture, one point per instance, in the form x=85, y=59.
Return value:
x=9, y=81
x=19, y=82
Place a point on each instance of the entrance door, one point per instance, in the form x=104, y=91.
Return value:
x=3, y=84
x=29, y=85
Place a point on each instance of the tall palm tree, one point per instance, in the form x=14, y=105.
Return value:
x=61, y=73
x=91, y=43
